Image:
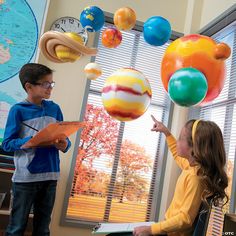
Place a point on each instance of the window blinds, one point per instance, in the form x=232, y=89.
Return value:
x=117, y=182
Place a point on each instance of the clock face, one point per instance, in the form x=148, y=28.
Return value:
x=70, y=24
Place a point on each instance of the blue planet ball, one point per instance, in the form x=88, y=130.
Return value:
x=156, y=30
x=92, y=18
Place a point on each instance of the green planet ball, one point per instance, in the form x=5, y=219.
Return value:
x=187, y=87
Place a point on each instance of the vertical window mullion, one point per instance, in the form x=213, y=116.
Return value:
x=114, y=172
x=135, y=50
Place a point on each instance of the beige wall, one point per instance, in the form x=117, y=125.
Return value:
x=213, y=8
x=201, y=12
x=193, y=16
x=70, y=81
x=144, y=9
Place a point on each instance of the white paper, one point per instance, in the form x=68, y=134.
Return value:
x=105, y=228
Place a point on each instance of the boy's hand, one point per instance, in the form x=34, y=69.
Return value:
x=61, y=144
x=142, y=231
x=160, y=127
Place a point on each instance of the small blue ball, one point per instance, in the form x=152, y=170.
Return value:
x=92, y=18
x=156, y=30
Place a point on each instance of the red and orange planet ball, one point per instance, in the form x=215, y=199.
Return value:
x=199, y=52
x=111, y=38
x=126, y=94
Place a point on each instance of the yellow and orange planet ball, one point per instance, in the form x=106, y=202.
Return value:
x=126, y=94
x=111, y=38
x=125, y=18
x=92, y=71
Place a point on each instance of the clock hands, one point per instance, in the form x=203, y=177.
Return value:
x=63, y=29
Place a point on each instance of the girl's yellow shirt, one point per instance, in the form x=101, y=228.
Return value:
x=186, y=202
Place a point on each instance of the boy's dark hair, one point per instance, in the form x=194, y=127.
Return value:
x=32, y=73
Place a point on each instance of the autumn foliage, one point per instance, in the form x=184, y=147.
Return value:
x=130, y=181
x=97, y=138
x=98, y=142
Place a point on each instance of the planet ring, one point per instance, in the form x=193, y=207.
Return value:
x=51, y=39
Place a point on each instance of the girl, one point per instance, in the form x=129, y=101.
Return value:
x=200, y=153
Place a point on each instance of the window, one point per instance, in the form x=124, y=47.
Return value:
x=223, y=112
x=119, y=166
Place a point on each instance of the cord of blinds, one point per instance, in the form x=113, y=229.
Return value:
x=223, y=112
x=118, y=164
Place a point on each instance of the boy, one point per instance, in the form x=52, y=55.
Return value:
x=36, y=169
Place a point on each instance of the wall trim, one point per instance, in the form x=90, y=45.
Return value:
x=220, y=22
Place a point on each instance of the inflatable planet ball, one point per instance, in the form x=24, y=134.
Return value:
x=222, y=51
x=156, y=30
x=66, y=54
x=92, y=71
x=202, y=53
x=92, y=18
x=126, y=94
x=111, y=38
x=187, y=87
x=64, y=47
x=125, y=18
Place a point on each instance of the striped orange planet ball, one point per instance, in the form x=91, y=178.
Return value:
x=126, y=94
x=92, y=71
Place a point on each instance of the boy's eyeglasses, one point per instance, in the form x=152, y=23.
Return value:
x=46, y=84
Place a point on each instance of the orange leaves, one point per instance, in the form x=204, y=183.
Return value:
x=96, y=155
x=134, y=157
x=97, y=139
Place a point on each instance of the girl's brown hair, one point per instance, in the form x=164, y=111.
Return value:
x=209, y=154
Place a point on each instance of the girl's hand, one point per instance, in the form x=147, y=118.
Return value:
x=142, y=231
x=61, y=144
x=160, y=127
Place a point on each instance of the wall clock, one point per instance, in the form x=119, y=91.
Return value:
x=70, y=24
